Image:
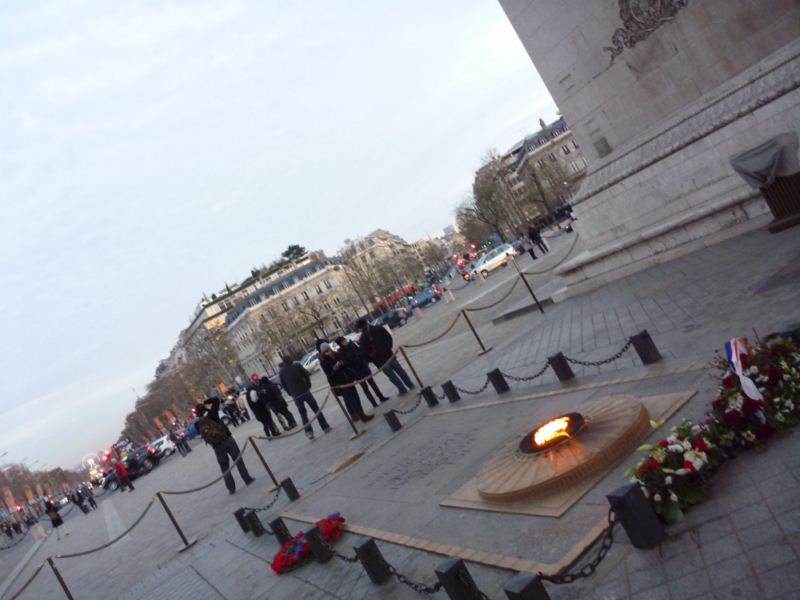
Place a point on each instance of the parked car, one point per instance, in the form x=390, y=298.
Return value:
x=393, y=318
x=428, y=295
x=163, y=447
x=137, y=462
x=311, y=361
x=494, y=259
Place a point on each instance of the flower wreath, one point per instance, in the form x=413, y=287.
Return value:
x=296, y=552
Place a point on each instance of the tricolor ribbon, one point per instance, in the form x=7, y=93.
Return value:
x=735, y=348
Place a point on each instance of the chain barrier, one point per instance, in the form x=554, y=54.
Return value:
x=559, y=263
x=536, y=375
x=408, y=411
x=606, y=541
x=438, y=337
x=300, y=426
x=269, y=505
x=502, y=299
x=213, y=481
x=474, y=392
x=465, y=578
x=605, y=361
x=420, y=588
x=17, y=541
x=27, y=583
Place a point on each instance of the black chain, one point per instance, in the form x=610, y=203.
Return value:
x=408, y=411
x=340, y=556
x=474, y=392
x=538, y=373
x=268, y=506
x=597, y=363
x=15, y=542
x=465, y=578
x=588, y=569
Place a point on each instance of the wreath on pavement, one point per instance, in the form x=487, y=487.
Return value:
x=296, y=552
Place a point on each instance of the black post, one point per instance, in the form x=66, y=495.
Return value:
x=450, y=391
x=430, y=396
x=527, y=285
x=280, y=530
x=498, y=381
x=392, y=420
x=291, y=491
x=560, y=366
x=239, y=515
x=255, y=523
x=411, y=366
x=60, y=578
x=356, y=432
x=372, y=560
x=456, y=580
x=524, y=586
x=263, y=461
x=484, y=349
x=322, y=552
x=636, y=516
x=645, y=348
x=186, y=543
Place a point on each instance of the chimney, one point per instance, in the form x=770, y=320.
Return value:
x=542, y=124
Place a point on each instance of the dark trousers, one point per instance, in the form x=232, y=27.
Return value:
x=125, y=481
x=308, y=399
x=370, y=383
x=229, y=448
x=352, y=402
x=398, y=376
x=92, y=502
x=280, y=408
x=540, y=242
x=531, y=252
x=270, y=428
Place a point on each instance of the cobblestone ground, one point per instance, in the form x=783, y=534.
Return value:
x=742, y=543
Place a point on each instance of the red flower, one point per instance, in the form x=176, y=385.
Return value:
x=750, y=406
x=700, y=445
x=663, y=443
x=764, y=431
x=652, y=463
x=709, y=421
x=779, y=349
x=731, y=381
x=733, y=418
x=687, y=464
x=774, y=375
x=745, y=360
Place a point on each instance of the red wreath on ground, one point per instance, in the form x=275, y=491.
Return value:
x=296, y=552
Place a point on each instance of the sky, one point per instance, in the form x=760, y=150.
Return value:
x=152, y=151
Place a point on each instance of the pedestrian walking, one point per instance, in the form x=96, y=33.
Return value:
x=297, y=383
x=51, y=510
x=88, y=493
x=357, y=363
x=527, y=245
x=536, y=237
x=123, y=476
x=376, y=344
x=216, y=435
x=276, y=403
x=341, y=379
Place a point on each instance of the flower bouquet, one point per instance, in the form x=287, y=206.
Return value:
x=296, y=552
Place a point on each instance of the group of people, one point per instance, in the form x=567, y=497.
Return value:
x=10, y=527
x=83, y=496
x=181, y=444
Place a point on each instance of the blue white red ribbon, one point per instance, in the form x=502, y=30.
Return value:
x=735, y=348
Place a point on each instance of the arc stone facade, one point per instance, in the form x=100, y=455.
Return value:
x=691, y=83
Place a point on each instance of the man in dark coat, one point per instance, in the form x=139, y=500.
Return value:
x=340, y=377
x=297, y=383
x=219, y=437
x=259, y=404
x=357, y=363
x=376, y=344
x=536, y=238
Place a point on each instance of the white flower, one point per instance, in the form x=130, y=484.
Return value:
x=687, y=444
x=633, y=480
x=657, y=497
x=780, y=417
x=748, y=436
x=754, y=370
x=675, y=448
x=668, y=480
x=672, y=496
x=696, y=429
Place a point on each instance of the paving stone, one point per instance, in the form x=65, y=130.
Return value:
x=742, y=590
x=769, y=556
x=750, y=515
x=761, y=533
x=730, y=570
x=781, y=581
x=646, y=578
x=691, y=586
x=713, y=530
x=721, y=549
x=657, y=593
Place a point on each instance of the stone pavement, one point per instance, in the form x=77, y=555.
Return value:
x=741, y=543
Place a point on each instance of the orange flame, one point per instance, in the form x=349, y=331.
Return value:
x=551, y=430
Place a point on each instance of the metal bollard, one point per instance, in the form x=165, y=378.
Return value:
x=637, y=518
x=60, y=579
x=280, y=530
x=524, y=586
x=645, y=347
x=255, y=523
x=498, y=382
x=321, y=551
x=451, y=392
x=560, y=366
x=291, y=491
x=239, y=515
x=373, y=562
x=392, y=420
x=430, y=397
x=456, y=580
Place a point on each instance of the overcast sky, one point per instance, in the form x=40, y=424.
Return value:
x=152, y=151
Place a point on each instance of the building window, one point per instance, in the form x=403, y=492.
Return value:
x=318, y=288
x=305, y=295
x=328, y=284
x=540, y=163
x=552, y=157
x=575, y=144
x=566, y=149
x=327, y=305
x=285, y=306
x=272, y=312
x=295, y=301
x=336, y=300
x=336, y=323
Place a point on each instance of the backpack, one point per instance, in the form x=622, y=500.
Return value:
x=213, y=433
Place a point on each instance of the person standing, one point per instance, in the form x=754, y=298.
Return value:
x=241, y=405
x=88, y=493
x=122, y=475
x=527, y=245
x=536, y=238
x=354, y=359
x=229, y=408
x=259, y=404
x=51, y=510
x=276, y=403
x=173, y=437
x=77, y=499
x=297, y=383
x=341, y=379
x=376, y=344
x=216, y=435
